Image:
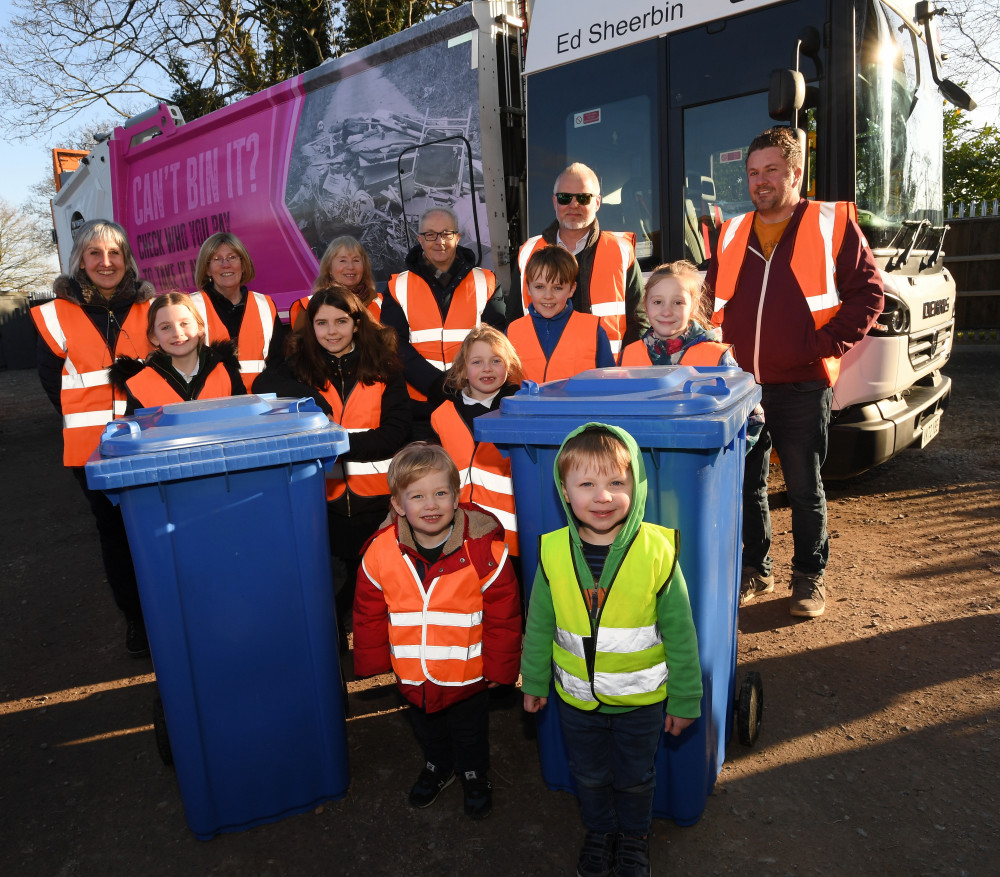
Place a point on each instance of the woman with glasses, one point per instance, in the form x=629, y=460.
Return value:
x=433, y=304
x=98, y=314
x=230, y=310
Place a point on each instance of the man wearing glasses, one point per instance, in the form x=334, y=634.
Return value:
x=434, y=304
x=609, y=284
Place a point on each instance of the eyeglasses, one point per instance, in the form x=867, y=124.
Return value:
x=582, y=198
x=224, y=260
x=431, y=236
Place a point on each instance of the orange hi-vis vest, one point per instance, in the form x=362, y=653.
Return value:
x=362, y=412
x=702, y=353
x=814, y=262
x=613, y=257
x=435, y=632
x=575, y=351
x=299, y=307
x=88, y=400
x=255, y=331
x=439, y=344
x=150, y=388
x=485, y=472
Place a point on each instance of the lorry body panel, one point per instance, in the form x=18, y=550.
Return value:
x=293, y=167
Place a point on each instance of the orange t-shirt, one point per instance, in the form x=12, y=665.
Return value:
x=769, y=233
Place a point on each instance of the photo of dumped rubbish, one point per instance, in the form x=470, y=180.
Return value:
x=367, y=162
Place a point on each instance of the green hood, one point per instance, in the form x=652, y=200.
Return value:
x=635, y=512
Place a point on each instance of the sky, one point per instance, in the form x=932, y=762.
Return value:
x=26, y=163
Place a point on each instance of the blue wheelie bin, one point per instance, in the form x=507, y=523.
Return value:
x=690, y=424
x=225, y=508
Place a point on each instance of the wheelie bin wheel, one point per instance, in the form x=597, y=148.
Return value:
x=160, y=731
x=750, y=708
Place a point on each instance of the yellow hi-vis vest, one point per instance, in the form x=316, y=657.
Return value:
x=621, y=661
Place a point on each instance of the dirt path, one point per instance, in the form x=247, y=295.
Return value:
x=879, y=752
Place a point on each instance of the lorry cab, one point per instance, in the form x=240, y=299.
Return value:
x=669, y=142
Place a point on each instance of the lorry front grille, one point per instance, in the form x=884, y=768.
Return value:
x=930, y=346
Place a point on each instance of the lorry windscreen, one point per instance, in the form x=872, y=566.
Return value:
x=899, y=127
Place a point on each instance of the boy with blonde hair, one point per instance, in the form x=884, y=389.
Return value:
x=609, y=614
x=437, y=602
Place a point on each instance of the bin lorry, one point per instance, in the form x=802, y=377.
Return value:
x=479, y=108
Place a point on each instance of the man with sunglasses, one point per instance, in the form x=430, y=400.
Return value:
x=609, y=284
x=434, y=304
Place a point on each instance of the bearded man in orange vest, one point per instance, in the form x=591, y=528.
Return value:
x=609, y=283
x=796, y=287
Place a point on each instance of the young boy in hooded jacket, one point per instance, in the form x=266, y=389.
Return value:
x=609, y=614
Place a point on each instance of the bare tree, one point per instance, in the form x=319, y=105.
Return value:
x=26, y=252
x=970, y=35
x=61, y=57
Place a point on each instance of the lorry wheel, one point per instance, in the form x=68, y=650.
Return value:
x=750, y=708
x=160, y=731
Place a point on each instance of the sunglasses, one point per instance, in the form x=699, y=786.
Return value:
x=582, y=198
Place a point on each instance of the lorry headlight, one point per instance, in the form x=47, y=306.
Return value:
x=895, y=317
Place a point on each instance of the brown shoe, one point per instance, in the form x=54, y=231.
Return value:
x=752, y=583
x=808, y=594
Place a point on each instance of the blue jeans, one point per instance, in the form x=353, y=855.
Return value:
x=612, y=758
x=797, y=422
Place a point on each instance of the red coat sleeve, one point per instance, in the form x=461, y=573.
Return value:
x=502, y=623
x=371, y=628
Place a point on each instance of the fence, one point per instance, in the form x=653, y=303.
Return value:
x=975, y=208
x=972, y=254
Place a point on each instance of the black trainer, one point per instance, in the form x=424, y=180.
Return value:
x=136, y=643
x=632, y=856
x=478, y=794
x=597, y=855
x=431, y=782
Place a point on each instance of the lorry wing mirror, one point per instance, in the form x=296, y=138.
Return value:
x=786, y=94
x=924, y=14
x=956, y=95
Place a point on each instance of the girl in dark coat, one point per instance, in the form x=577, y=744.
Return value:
x=347, y=362
x=181, y=367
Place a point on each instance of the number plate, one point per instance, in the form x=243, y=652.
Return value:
x=931, y=427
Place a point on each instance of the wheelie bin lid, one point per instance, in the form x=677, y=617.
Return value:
x=212, y=436
x=670, y=406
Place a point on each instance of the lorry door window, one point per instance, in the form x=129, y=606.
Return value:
x=719, y=76
x=899, y=157
x=716, y=137
x=590, y=112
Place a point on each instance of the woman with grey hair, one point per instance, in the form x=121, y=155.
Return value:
x=98, y=314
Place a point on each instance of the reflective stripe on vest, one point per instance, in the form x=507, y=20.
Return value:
x=614, y=254
x=256, y=331
x=575, y=351
x=484, y=471
x=435, y=634
x=627, y=666
x=818, y=239
x=439, y=344
x=703, y=353
x=88, y=400
x=150, y=388
x=362, y=412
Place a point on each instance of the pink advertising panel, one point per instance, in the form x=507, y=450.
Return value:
x=223, y=172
